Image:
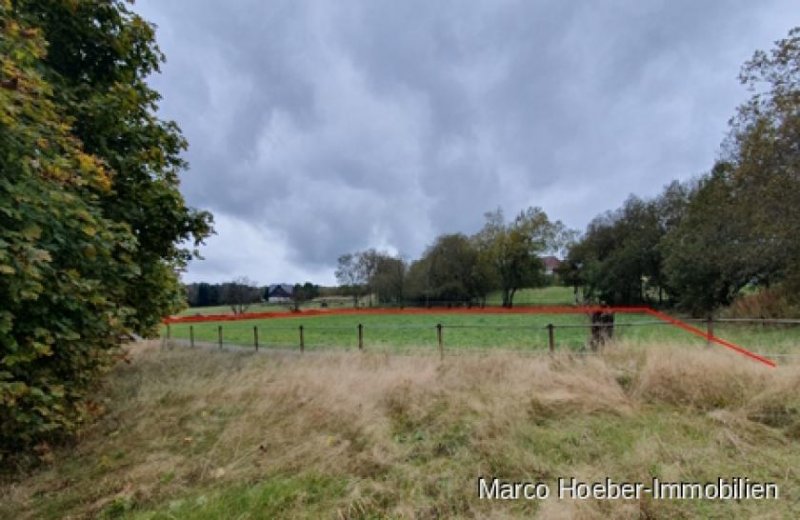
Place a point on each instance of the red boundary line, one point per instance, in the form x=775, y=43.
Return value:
x=548, y=309
x=697, y=332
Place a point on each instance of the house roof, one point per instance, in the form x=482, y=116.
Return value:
x=280, y=288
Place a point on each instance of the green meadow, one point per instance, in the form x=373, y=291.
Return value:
x=519, y=332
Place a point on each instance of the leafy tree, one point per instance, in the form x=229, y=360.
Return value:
x=208, y=295
x=454, y=270
x=99, y=57
x=240, y=294
x=742, y=220
x=192, y=293
x=513, y=249
x=629, y=259
x=303, y=293
x=620, y=257
x=765, y=157
x=706, y=257
x=417, y=286
x=371, y=272
x=450, y=270
x=367, y=264
x=62, y=263
x=352, y=276
x=89, y=209
x=388, y=279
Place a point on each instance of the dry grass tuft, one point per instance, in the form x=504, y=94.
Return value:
x=703, y=379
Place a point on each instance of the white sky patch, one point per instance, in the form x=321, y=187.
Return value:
x=243, y=248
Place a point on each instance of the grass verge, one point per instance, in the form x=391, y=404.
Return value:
x=348, y=435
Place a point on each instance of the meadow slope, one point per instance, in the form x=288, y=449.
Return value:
x=205, y=434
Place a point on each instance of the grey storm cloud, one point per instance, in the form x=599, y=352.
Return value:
x=318, y=128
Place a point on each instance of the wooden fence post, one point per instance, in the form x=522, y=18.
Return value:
x=219, y=336
x=255, y=336
x=360, y=336
x=302, y=340
x=441, y=341
x=709, y=330
x=191, y=336
x=551, y=340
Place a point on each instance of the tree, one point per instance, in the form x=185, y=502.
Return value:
x=303, y=293
x=240, y=294
x=513, y=249
x=90, y=214
x=765, y=157
x=417, y=285
x=367, y=265
x=456, y=272
x=620, y=257
x=192, y=294
x=208, y=295
x=707, y=258
x=702, y=242
x=388, y=279
x=626, y=252
x=351, y=275
x=62, y=263
x=742, y=220
x=99, y=57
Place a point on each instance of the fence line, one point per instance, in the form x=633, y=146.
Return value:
x=597, y=334
x=763, y=321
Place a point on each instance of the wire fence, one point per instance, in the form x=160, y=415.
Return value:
x=777, y=338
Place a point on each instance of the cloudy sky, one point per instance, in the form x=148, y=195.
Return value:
x=321, y=127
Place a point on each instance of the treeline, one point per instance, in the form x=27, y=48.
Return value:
x=241, y=293
x=457, y=268
x=213, y=294
x=700, y=244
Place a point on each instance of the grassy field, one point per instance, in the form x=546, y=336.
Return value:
x=555, y=295
x=522, y=332
x=329, y=303
x=205, y=435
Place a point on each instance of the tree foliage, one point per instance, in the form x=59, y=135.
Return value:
x=765, y=154
x=512, y=250
x=303, y=293
x=619, y=259
x=505, y=256
x=451, y=270
x=388, y=279
x=352, y=275
x=372, y=272
x=702, y=243
x=741, y=224
x=90, y=213
x=99, y=57
x=240, y=294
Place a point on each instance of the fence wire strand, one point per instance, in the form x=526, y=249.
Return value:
x=364, y=337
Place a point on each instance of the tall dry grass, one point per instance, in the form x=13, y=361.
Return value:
x=410, y=433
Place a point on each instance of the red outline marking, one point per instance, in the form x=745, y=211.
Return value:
x=550, y=309
x=711, y=337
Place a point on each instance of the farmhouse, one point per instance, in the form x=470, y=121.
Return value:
x=551, y=263
x=280, y=292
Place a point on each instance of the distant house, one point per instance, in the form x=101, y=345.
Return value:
x=280, y=292
x=551, y=263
